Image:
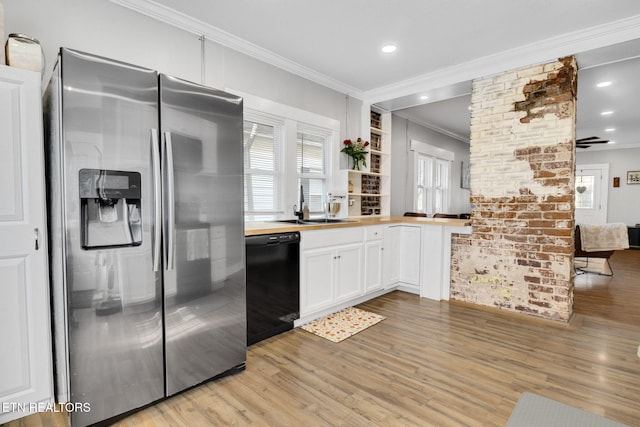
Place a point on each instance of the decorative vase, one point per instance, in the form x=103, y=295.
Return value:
x=356, y=164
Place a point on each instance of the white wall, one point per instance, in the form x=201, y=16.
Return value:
x=624, y=201
x=403, y=131
x=104, y=28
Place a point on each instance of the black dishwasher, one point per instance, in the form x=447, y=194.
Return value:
x=273, y=287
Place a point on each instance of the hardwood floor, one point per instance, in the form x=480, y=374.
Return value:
x=614, y=298
x=430, y=363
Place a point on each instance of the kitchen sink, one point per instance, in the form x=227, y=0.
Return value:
x=314, y=221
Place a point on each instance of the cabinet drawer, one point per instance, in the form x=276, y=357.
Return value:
x=336, y=236
x=374, y=233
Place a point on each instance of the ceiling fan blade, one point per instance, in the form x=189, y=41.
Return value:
x=583, y=146
x=591, y=138
x=602, y=141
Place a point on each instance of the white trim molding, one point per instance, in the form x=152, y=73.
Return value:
x=534, y=53
x=431, y=150
x=200, y=28
x=433, y=127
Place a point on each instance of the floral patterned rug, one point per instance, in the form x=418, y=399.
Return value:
x=343, y=324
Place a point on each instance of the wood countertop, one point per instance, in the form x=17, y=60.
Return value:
x=267, y=227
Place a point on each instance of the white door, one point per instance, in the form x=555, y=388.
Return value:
x=591, y=194
x=25, y=359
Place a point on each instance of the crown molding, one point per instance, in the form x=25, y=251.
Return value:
x=541, y=51
x=195, y=26
x=433, y=127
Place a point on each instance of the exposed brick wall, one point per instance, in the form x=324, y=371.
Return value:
x=519, y=256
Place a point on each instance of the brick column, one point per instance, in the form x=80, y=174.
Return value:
x=519, y=256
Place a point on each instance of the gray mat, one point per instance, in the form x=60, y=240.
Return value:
x=537, y=411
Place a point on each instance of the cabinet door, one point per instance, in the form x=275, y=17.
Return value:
x=391, y=256
x=25, y=359
x=373, y=265
x=318, y=277
x=349, y=272
x=410, y=258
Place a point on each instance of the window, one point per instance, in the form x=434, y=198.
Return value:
x=262, y=168
x=310, y=166
x=585, y=191
x=432, y=177
x=284, y=148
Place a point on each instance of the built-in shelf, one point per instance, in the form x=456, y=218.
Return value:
x=363, y=172
x=365, y=194
x=369, y=189
x=380, y=131
x=382, y=153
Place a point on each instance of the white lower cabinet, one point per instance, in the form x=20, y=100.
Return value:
x=391, y=257
x=331, y=268
x=346, y=266
x=348, y=277
x=374, y=255
x=318, y=272
x=410, y=255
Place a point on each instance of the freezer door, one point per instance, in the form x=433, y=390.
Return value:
x=204, y=277
x=113, y=295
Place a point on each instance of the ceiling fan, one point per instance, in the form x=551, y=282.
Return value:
x=586, y=142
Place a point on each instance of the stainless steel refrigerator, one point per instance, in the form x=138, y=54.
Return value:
x=145, y=196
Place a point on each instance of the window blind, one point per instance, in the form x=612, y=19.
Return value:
x=262, y=169
x=311, y=167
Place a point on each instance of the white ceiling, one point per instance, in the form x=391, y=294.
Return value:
x=339, y=41
x=452, y=116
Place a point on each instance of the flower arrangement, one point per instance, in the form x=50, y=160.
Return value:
x=357, y=151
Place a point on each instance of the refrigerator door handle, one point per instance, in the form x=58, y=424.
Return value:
x=157, y=199
x=169, y=200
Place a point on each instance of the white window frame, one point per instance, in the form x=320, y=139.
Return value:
x=293, y=118
x=437, y=157
x=324, y=177
x=279, y=175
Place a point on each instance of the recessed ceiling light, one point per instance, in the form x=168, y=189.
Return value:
x=610, y=129
x=606, y=113
x=423, y=97
x=603, y=84
x=389, y=48
x=611, y=142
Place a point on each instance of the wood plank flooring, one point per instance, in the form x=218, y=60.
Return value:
x=430, y=363
x=614, y=298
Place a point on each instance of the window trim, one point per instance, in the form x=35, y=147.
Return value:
x=279, y=175
x=420, y=149
x=292, y=117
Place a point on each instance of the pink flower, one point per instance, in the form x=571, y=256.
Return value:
x=366, y=143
